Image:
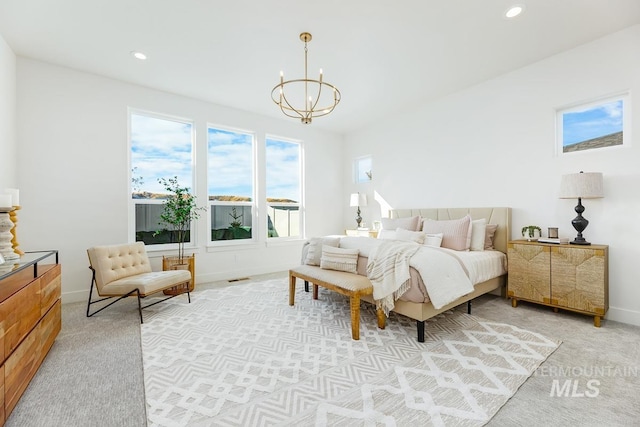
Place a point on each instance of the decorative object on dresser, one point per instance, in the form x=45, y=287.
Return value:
x=554, y=240
x=581, y=186
x=121, y=271
x=13, y=215
x=531, y=232
x=29, y=322
x=6, y=237
x=358, y=200
x=574, y=278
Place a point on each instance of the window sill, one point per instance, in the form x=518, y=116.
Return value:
x=155, y=252
x=284, y=241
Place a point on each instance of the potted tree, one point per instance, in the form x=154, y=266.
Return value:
x=179, y=211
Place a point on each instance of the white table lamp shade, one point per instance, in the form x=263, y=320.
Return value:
x=584, y=185
x=358, y=199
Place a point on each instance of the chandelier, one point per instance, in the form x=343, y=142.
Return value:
x=314, y=98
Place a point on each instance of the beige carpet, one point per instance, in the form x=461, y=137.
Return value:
x=242, y=356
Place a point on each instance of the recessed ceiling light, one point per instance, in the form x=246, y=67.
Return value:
x=139, y=55
x=514, y=11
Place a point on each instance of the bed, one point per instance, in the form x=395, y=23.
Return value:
x=415, y=303
x=500, y=216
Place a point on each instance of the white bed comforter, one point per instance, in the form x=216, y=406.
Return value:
x=444, y=275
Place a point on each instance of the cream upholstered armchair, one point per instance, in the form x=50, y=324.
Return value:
x=124, y=270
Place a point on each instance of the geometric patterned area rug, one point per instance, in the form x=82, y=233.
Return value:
x=241, y=356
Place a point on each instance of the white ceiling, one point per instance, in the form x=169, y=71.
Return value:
x=383, y=55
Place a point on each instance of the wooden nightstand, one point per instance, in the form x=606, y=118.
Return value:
x=365, y=233
x=570, y=277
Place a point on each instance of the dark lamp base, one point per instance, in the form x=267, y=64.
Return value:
x=579, y=223
x=580, y=241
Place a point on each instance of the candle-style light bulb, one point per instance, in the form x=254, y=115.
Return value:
x=320, y=74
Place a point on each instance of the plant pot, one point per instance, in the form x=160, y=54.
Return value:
x=174, y=263
x=531, y=234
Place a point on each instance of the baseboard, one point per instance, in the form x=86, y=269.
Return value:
x=75, y=296
x=234, y=274
x=82, y=295
x=622, y=315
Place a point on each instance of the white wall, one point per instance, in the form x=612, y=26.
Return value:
x=494, y=145
x=8, y=140
x=73, y=172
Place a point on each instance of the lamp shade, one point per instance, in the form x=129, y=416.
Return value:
x=582, y=185
x=358, y=199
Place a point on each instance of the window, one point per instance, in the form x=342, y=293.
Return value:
x=602, y=123
x=284, y=188
x=161, y=147
x=362, y=169
x=231, y=184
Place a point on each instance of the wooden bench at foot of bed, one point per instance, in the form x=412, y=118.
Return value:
x=358, y=288
x=352, y=285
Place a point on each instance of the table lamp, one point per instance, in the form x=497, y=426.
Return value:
x=358, y=200
x=581, y=186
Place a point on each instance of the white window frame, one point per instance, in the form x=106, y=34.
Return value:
x=300, y=204
x=255, y=225
x=192, y=243
x=359, y=174
x=594, y=104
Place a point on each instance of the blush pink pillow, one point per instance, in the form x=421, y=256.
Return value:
x=456, y=233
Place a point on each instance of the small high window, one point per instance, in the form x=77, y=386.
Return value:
x=362, y=169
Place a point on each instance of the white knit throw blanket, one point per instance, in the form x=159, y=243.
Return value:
x=388, y=270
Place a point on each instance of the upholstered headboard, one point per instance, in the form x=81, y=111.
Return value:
x=499, y=216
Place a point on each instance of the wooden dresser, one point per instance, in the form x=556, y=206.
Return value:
x=29, y=321
x=569, y=277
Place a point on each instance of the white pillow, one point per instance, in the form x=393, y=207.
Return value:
x=434, y=240
x=410, y=236
x=387, y=234
x=411, y=223
x=339, y=259
x=363, y=244
x=456, y=232
x=314, y=252
x=478, y=234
